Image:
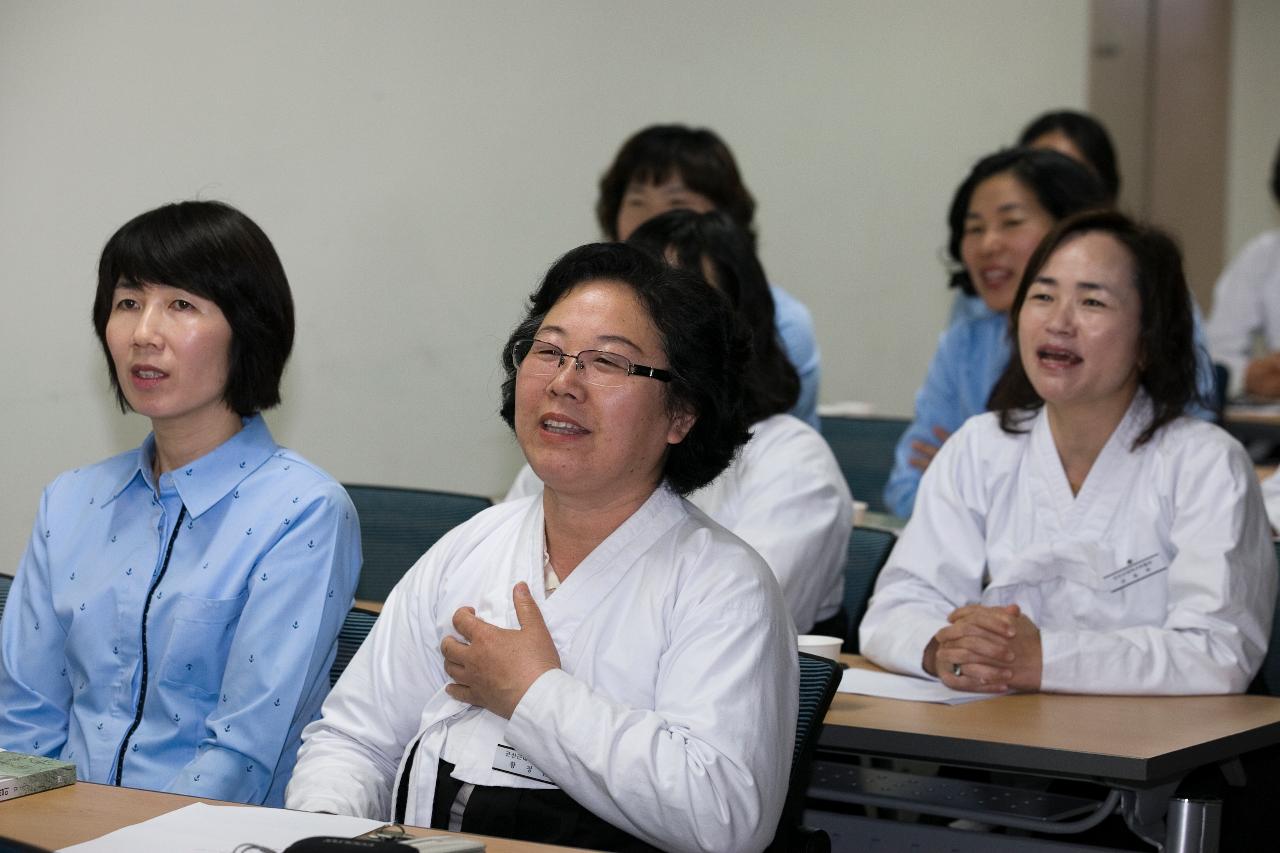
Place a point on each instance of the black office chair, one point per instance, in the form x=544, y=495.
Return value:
x=864, y=449
x=1267, y=680
x=1248, y=812
x=1221, y=376
x=397, y=526
x=867, y=553
x=8, y=845
x=5, y=583
x=355, y=628
x=818, y=680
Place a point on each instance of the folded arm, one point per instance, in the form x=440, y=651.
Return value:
x=35, y=693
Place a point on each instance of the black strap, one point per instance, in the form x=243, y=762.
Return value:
x=146, y=608
x=526, y=814
x=402, y=794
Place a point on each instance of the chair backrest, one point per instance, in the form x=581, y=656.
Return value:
x=355, y=628
x=1221, y=376
x=864, y=448
x=1268, y=678
x=5, y=583
x=868, y=551
x=397, y=526
x=818, y=680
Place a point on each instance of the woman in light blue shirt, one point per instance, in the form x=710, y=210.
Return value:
x=999, y=214
x=173, y=619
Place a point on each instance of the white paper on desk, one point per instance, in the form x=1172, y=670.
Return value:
x=202, y=828
x=1255, y=406
x=892, y=686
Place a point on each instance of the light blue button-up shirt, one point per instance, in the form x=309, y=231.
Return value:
x=177, y=635
x=800, y=343
x=971, y=355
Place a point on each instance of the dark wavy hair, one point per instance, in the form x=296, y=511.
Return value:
x=216, y=252
x=690, y=240
x=1167, y=361
x=1061, y=185
x=1089, y=135
x=694, y=154
x=707, y=350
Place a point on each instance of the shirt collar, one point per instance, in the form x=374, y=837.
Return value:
x=203, y=482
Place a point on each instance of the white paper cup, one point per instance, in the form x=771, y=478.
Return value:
x=816, y=644
x=859, y=513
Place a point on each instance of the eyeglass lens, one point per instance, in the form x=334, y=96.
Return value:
x=605, y=369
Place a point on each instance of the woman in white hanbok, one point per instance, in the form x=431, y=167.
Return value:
x=784, y=493
x=1085, y=536
x=600, y=664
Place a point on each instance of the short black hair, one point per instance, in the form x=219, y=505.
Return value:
x=694, y=154
x=1167, y=360
x=1089, y=135
x=1061, y=185
x=706, y=348
x=216, y=252
x=689, y=238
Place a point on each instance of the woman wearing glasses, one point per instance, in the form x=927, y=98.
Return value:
x=784, y=493
x=598, y=665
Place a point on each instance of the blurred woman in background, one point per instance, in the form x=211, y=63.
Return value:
x=674, y=167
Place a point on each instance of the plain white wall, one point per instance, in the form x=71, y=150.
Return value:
x=419, y=164
x=1254, y=130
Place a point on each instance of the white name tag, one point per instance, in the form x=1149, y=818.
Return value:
x=1135, y=571
x=507, y=760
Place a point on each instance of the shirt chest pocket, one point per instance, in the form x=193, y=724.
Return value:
x=199, y=642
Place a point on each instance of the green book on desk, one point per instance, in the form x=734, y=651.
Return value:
x=22, y=774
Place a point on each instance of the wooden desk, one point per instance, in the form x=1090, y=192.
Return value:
x=1140, y=747
x=1256, y=426
x=84, y=811
x=1254, y=414
x=1137, y=741
x=883, y=521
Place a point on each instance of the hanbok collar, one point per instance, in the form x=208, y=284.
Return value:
x=1091, y=510
x=612, y=558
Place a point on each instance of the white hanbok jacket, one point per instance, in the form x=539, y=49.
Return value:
x=1271, y=495
x=785, y=496
x=1246, y=304
x=673, y=715
x=1158, y=577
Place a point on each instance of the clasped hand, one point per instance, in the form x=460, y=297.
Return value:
x=922, y=452
x=495, y=666
x=995, y=648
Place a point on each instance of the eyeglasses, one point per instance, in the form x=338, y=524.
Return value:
x=596, y=367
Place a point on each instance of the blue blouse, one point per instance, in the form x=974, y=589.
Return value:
x=178, y=635
x=971, y=355
x=800, y=343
